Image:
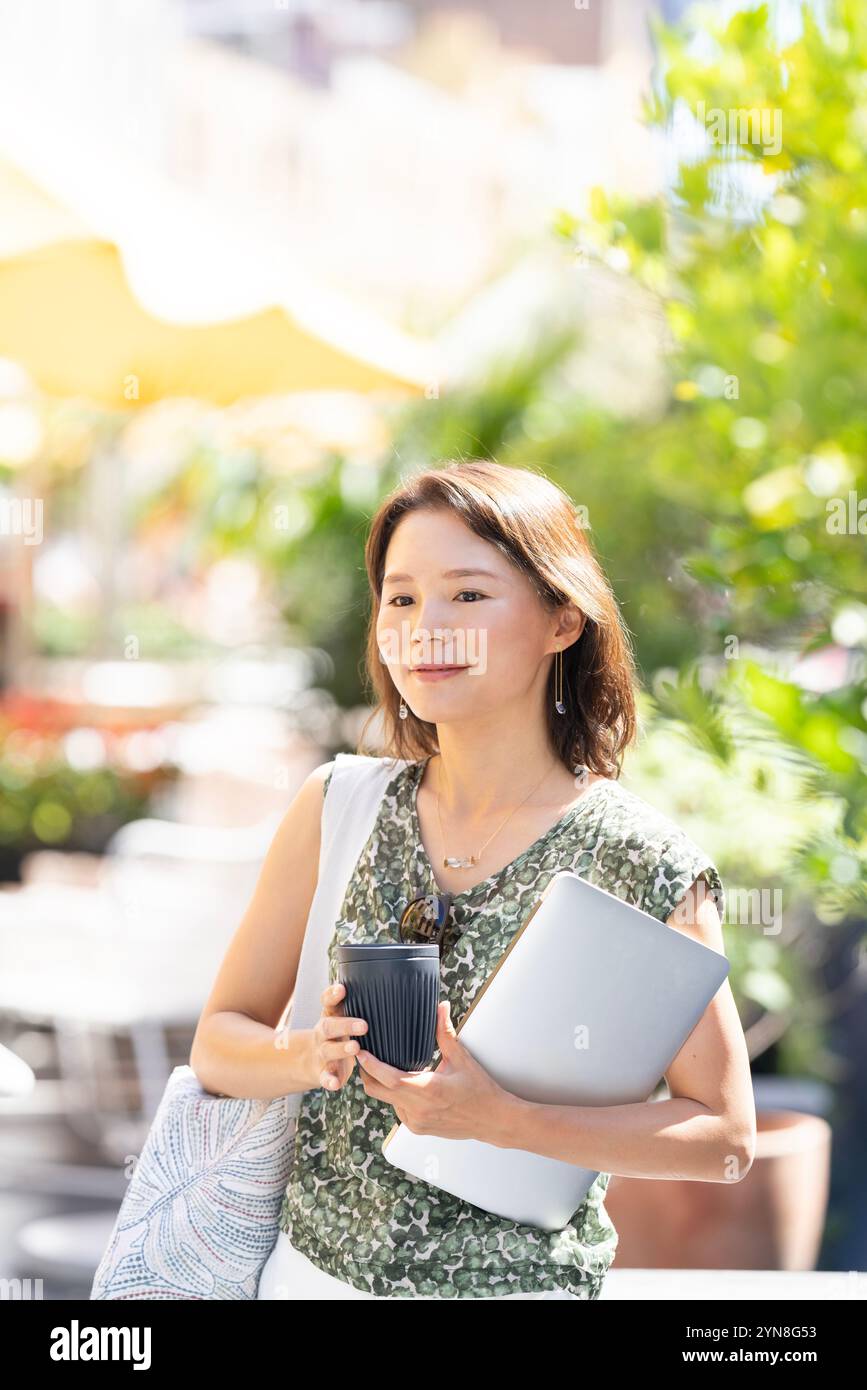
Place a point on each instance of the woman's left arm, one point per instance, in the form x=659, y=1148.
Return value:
x=705, y=1131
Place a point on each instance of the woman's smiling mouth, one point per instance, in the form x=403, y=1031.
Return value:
x=436, y=673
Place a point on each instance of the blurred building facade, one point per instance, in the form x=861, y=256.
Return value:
x=403, y=153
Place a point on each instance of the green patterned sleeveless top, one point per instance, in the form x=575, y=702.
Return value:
x=350, y=1211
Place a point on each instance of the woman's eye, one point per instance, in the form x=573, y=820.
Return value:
x=394, y=602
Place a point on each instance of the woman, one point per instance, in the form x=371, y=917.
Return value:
x=510, y=725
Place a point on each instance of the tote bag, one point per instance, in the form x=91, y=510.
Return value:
x=201, y=1215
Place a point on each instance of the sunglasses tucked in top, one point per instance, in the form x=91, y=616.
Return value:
x=426, y=919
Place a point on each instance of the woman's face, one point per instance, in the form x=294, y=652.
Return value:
x=451, y=599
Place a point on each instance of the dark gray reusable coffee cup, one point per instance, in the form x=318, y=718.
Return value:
x=395, y=988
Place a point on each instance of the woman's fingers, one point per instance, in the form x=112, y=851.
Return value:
x=332, y=998
x=335, y=1074
x=340, y=1027
x=335, y=1024
x=338, y=1049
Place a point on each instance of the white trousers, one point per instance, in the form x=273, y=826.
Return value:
x=289, y=1274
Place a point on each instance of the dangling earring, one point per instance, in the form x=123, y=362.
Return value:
x=558, y=683
x=403, y=711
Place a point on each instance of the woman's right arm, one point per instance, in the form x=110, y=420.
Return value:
x=237, y=1050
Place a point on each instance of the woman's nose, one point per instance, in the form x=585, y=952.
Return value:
x=428, y=634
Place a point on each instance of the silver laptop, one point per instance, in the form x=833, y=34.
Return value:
x=589, y=1005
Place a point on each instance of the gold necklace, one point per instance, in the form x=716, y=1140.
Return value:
x=453, y=862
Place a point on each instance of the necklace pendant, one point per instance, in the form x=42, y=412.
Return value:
x=450, y=862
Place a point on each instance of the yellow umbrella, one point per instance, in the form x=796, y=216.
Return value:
x=69, y=316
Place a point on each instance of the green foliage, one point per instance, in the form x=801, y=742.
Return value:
x=766, y=430
x=306, y=532
x=47, y=803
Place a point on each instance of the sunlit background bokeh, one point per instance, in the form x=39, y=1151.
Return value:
x=258, y=261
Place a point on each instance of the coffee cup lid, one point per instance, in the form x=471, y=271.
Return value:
x=386, y=950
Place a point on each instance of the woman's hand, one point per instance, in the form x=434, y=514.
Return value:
x=333, y=1047
x=459, y=1100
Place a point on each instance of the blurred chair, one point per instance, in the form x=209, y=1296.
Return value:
x=110, y=964
x=16, y=1078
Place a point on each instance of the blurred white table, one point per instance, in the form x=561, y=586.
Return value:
x=115, y=959
x=16, y=1078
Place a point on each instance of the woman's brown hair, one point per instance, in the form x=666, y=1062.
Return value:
x=536, y=526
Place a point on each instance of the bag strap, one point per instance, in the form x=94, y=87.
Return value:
x=349, y=812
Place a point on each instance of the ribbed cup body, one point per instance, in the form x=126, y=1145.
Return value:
x=394, y=987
